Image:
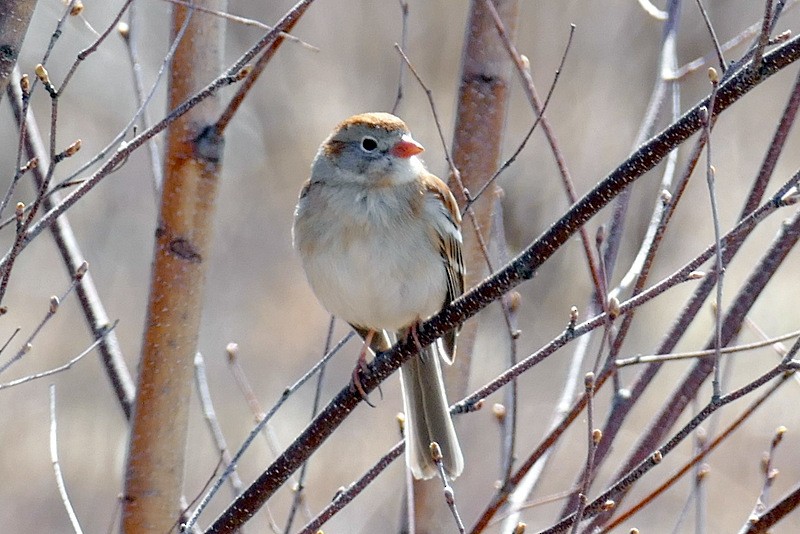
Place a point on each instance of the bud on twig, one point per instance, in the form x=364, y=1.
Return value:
x=31, y=164
x=73, y=148
x=613, y=307
x=243, y=73
x=499, y=411
x=401, y=421
x=703, y=472
x=41, y=73
x=588, y=381
x=124, y=30
x=436, y=452
x=232, y=350
x=526, y=63
x=81, y=272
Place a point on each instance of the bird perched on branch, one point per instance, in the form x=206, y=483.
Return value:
x=379, y=238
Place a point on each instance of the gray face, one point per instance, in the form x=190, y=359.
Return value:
x=364, y=150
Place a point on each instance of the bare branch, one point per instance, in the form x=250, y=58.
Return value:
x=62, y=488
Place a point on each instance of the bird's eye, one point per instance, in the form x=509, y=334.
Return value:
x=369, y=144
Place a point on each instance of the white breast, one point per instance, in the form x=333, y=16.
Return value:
x=375, y=270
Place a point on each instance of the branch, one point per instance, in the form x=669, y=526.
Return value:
x=522, y=268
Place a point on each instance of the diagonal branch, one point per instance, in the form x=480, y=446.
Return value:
x=518, y=270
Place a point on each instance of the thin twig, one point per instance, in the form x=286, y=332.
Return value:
x=403, y=44
x=652, y=10
x=762, y=523
x=210, y=415
x=510, y=303
x=117, y=143
x=62, y=488
x=24, y=88
x=300, y=487
x=267, y=46
x=130, y=36
x=763, y=37
x=770, y=474
x=712, y=193
x=639, y=270
x=270, y=437
x=704, y=353
x=502, y=495
x=624, y=483
x=697, y=458
x=780, y=348
x=244, y=21
x=24, y=223
x=688, y=388
x=593, y=438
x=447, y=489
x=714, y=40
x=61, y=368
x=690, y=498
x=51, y=311
x=257, y=430
x=345, y=496
x=524, y=70
x=73, y=259
x=454, y=172
x=86, y=52
x=10, y=338
x=748, y=32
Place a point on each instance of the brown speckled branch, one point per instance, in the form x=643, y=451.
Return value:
x=518, y=270
x=154, y=473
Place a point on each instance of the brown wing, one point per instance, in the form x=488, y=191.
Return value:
x=449, y=237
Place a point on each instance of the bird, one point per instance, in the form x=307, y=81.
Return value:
x=379, y=239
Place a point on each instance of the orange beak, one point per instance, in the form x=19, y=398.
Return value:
x=406, y=147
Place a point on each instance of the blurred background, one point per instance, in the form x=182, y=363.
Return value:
x=257, y=297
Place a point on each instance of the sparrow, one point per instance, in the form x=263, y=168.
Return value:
x=379, y=239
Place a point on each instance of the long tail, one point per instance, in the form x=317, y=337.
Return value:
x=428, y=416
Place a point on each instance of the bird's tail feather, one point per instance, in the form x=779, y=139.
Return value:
x=428, y=416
